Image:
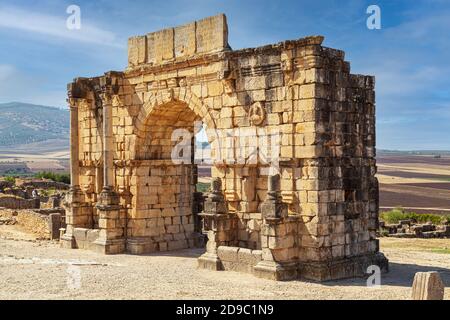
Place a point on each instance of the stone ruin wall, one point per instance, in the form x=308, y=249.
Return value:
x=14, y=202
x=44, y=224
x=326, y=119
x=42, y=216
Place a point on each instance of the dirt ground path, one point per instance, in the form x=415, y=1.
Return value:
x=42, y=270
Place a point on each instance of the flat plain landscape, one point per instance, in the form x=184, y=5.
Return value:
x=414, y=182
x=50, y=155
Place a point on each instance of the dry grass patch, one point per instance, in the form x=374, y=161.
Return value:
x=422, y=245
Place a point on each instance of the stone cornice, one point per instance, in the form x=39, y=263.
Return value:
x=197, y=60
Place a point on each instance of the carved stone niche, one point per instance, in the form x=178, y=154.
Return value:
x=257, y=114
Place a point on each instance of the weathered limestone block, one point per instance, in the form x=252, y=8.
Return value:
x=54, y=225
x=185, y=40
x=163, y=45
x=427, y=286
x=212, y=34
x=137, y=50
x=317, y=221
x=203, y=36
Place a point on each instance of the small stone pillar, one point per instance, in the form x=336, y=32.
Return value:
x=273, y=208
x=111, y=236
x=54, y=224
x=75, y=216
x=221, y=226
x=427, y=286
x=278, y=237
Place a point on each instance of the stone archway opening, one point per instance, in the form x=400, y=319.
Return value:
x=164, y=127
x=165, y=199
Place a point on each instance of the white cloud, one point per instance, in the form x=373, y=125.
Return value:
x=55, y=26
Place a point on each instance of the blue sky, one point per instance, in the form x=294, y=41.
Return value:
x=409, y=55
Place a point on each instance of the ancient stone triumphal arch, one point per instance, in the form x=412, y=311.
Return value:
x=292, y=145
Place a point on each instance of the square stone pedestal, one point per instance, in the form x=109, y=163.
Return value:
x=343, y=268
x=209, y=261
x=110, y=246
x=276, y=271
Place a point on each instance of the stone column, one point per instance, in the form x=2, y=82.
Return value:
x=108, y=196
x=74, y=145
x=74, y=199
x=111, y=220
x=278, y=237
x=221, y=227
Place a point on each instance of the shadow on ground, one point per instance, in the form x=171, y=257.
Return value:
x=400, y=274
x=183, y=253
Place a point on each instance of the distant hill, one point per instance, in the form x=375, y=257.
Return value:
x=414, y=152
x=23, y=123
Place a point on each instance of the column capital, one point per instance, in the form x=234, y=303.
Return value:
x=108, y=197
x=78, y=102
x=74, y=195
x=106, y=94
x=73, y=102
x=106, y=98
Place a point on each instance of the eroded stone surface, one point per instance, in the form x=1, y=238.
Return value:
x=428, y=286
x=321, y=120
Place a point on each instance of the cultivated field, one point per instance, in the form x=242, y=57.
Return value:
x=414, y=182
x=418, y=183
x=49, y=155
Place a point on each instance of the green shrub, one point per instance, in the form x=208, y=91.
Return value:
x=384, y=233
x=10, y=179
x=43, y=193
x=397, y=214
x=446, y=219
x=202, y=187
x=57, y=177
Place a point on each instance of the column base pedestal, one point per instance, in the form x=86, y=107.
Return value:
x=276, y=271
x=113, y=246
x=141, y=245
x=67, y=242
x=342, y=269
x=209, y=261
